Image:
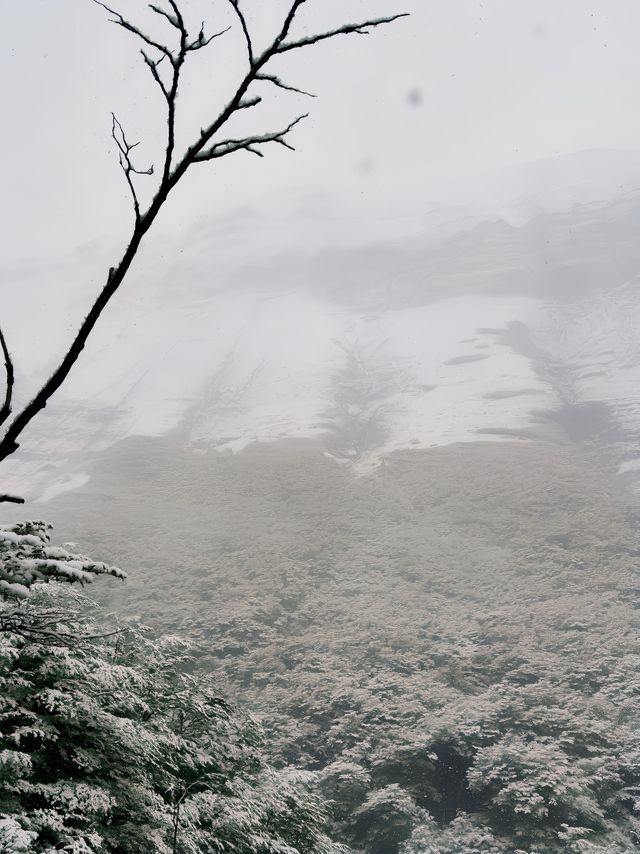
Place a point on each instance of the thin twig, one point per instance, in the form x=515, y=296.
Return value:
x=347, y=29
x=125, y=148
x=250, y=102
x=5, y=411
x=153, y=67
x=173, y=92
x=245, y=30
x=286, y=26
x=248, y=143
x=37, y=634
x=127, y=25
x=202, y=40
x=173, y=19
x=272, y=78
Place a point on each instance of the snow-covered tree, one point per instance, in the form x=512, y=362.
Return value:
x=27, y=557
x=28, y=560
x=109, y=744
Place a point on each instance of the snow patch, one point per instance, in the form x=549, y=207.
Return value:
x=65, y=484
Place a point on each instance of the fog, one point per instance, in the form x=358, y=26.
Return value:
x=405, y=118
x=362, y=421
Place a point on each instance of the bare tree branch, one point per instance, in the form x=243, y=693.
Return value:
x=245, y=30
x=203, y=41
x=178, y=14
x=153, y=67
x=5, y=411
x=286, y=26
x=271, y=78
x=172, y=92
x=250, y=102
x=361, y=29
x=174, y=19
x=11, y=499
x=228, y=146
x=127, y=25
x=124, y=151
x=203, y=148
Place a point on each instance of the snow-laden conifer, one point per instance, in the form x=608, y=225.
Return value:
x=109, y=744
x=27, y=558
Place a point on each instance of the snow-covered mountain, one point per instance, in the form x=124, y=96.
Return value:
x=259, y=328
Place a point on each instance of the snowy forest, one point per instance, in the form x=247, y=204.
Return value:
x=319, y=465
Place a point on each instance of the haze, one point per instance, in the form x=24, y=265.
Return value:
x=402, y=120
x=363, y=421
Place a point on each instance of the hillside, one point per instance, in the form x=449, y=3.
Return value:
x=391, y=492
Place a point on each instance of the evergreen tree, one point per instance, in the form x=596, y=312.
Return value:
x=109, y=744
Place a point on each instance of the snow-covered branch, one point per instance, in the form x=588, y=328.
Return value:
x=27, y=558
x=249, y=143
x=127, y=25
x=245, y=29
x=361, y=29
x=272, y=78
x=165, y=62
x=124, y=151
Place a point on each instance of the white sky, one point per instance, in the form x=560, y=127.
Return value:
x=500, y=82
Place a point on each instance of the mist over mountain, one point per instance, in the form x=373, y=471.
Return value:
x=258, y=328
x=385, y=474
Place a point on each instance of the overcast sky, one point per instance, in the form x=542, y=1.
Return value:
x=460, y=87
